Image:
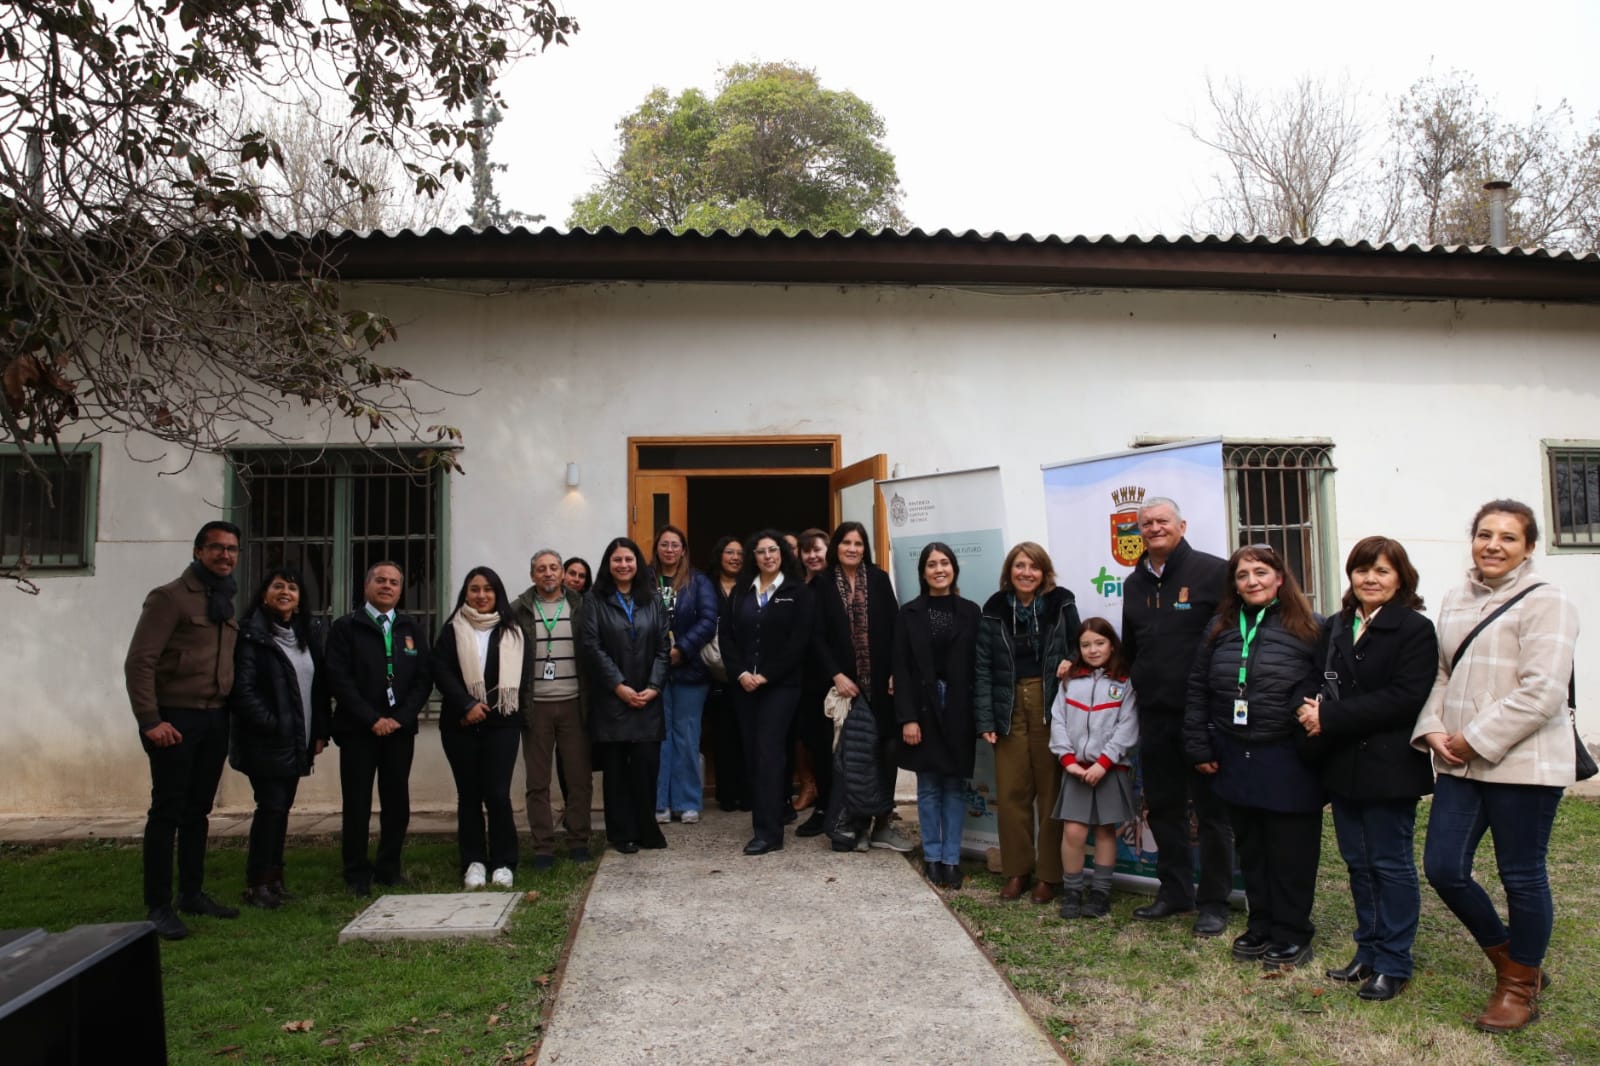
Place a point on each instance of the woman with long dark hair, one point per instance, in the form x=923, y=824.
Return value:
x=479, y=670
x=1252, y=673
x=1023, y=639
x=691, y=607
x=626, y=651
x=281, y=721
x=1504, y=748
x=854, y=648
x=764, y=634
x=727, y=745
x=935, y=646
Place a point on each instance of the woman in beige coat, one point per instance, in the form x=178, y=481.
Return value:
x=1497, y=726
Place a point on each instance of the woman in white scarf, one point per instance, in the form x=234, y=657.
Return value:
x=478, y=667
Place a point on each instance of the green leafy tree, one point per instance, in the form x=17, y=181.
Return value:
x=131, y=300
x=772, y=149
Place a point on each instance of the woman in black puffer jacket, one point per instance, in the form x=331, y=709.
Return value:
x=281, y=721
x=1249, y=678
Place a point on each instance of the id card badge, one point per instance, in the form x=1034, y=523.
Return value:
x=549, y=671
x=390, y=694
x=1241, y=712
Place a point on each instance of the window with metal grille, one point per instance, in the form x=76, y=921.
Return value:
x=49, y=523
x=331, y=514
x=1282, y=494
x=1574, y=494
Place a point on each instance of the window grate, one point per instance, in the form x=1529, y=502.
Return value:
x=1575, y=497
x=48, y=524
x=1281, y=494
x=332, y=514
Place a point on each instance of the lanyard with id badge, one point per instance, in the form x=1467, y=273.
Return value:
x=388, y=657
x=1241, y=706
x=549, y=672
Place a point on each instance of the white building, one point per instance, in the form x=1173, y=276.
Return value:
x=722, y=381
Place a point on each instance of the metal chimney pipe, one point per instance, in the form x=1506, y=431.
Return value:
x=1497, y=191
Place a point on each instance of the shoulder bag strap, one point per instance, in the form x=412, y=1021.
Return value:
x=1487, y=622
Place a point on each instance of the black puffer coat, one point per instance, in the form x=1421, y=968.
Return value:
x=614, y=653
x=995, y=683
x=858, y=787
x=268, y=734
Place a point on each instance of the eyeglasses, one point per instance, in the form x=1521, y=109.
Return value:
x=769, y=551
x=221, y=549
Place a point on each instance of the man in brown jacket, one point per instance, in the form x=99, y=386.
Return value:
x=179, y=672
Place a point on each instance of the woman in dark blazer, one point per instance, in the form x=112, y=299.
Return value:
x=625, y=644
x=1250, y=676
x=1379, y=658
x=479, y=669
x=935, y=643
x=764, y=633
x=853, y=648
x=281, y=720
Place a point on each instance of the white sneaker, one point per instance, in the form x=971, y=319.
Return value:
x=663, y=817
x=475, y=876
x=502, y=877
x=691, y=817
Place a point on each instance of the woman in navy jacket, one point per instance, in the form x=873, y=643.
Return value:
x=1250, y=676
x=764, y=634
x=479, y=667
x=1382, y=657
x=691, y=606
x=281, y=718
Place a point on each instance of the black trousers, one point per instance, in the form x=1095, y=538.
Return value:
x=1278, y=855
x=362, y=757
x=269, y=827
x=727, y=746
x=629, y=789
x=183, y=786
x=1170, y=785
x=816, y=733
x=482, y=759
x=764, y=718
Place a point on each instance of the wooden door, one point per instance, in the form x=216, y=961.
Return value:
x=856, y=499
x=658, y=500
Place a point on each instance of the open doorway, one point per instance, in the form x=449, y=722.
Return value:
x=738, y=506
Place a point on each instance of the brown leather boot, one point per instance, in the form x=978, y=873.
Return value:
x=1500, y=954
x=1014, y=888
x=1515, y=1000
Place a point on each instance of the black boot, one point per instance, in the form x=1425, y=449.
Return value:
x=275, y=882
x=1071, y=905
x=1099, y=904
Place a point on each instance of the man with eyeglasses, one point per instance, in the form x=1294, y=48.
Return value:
x=1167, y=602
x=179, y=672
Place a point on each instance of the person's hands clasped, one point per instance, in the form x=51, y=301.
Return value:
x=1310, y=716
x=1093, y=774
x=1439, y=744
x=475, y=714
x=1074, y=769
x=1457, y=745
x=385, y=726
x=1206, y=767
x=750, y=682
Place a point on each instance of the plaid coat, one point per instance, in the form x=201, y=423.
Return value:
x=1508, y=695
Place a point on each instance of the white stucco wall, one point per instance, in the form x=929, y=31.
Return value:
x=1433, y=408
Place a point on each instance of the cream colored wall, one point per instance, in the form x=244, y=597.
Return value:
x=1433, y=408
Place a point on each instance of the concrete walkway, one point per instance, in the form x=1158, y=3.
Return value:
x=699, y=954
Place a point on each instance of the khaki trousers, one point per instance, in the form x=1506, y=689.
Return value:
x=557, y=725
x=1028, y=779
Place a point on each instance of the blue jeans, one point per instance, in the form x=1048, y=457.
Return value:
x=941, y=811
x=1519, y=819
x=679, y=788
x=1375, y=840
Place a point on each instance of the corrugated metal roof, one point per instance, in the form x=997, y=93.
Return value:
x=915, y=257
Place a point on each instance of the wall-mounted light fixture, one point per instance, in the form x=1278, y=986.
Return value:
x=572, y=475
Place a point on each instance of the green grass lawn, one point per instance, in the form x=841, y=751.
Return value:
x=1120, y=991
x=233, y=985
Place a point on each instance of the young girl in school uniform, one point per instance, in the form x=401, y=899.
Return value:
x=1093, y=724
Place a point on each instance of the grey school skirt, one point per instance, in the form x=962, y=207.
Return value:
x=1108, y=803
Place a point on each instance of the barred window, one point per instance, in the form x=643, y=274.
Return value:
x=1574, y=494
x=333, y=513
x=49, y=523
x=1282, y=494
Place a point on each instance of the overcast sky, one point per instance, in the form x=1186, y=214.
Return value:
x=1028, y=117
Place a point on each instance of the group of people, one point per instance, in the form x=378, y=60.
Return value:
x=1239, y=701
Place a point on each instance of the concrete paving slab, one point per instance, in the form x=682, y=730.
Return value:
x=433, y=916
x=699, y=954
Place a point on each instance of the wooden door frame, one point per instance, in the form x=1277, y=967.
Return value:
x=831, y=440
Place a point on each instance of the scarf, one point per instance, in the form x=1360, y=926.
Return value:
x=855, y=610
x=1025, y=621
x=467, y=623
x=219, y=592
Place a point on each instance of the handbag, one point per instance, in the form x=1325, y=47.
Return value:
x=711, y=658
x=1583, y=763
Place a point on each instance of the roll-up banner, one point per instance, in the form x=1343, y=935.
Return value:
x=1092, y=515
x=966, y=510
